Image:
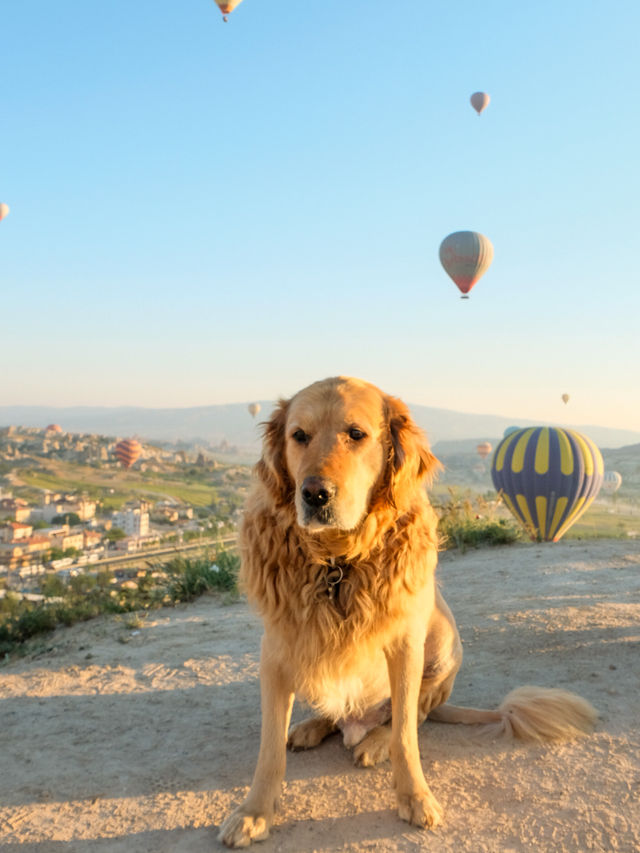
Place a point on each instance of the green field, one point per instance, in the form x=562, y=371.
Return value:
x=601, y=522
x=114, y=488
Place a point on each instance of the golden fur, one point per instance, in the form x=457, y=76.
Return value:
x=339, y=551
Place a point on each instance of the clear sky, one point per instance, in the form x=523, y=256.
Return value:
x=207, y=213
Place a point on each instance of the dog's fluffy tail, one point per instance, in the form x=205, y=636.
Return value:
x=528, y=713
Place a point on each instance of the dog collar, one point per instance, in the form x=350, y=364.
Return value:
x=334, y=577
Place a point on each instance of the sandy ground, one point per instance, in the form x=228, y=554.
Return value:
x=117, y=737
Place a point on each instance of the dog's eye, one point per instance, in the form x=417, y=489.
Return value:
x=356, y=434
x=300, y=436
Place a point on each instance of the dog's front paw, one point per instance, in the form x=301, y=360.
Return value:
x=373, y=748
x=310, y=733
x=420, y=809
x=241, y=829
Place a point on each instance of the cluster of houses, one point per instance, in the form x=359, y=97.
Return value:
x=60, y=530
x=63, y=529
x=21, y=444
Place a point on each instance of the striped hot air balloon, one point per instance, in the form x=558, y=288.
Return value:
x=548, y=477
x=612, y=481
x=466, y=256
x=127, y=451
x=484, y=449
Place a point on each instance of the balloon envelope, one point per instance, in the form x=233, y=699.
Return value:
x=548, y=477
x=509, y=430
x=127, y=451
x=484, y=449
x=612, y=481
x=254, y=408
x=466, y=256
x=480, y=101
x=227, y=7
x=565, y=398
x=4, y=210
x=54, y=428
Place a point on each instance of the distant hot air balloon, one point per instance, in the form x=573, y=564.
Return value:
x=466, y=256
x=509, y=430
x=548, y=476
x=127, y=451
x=479, y=101
x=484, y=449
x=227, y=7
x=565, y=398
x=4, y=210
x=254, y=408
x=54, y=428
x=612, y=481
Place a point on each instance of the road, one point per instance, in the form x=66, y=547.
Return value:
x=173, y=550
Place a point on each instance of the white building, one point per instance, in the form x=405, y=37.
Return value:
x=133, y=520
x=55, y=505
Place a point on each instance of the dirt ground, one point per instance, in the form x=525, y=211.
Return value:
x=122, y=736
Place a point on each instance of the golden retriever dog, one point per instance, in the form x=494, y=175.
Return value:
x=339, y=550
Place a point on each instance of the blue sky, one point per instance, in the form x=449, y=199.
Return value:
x=208, y=213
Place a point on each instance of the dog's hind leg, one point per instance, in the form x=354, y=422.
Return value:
x=374, y=747
x=310, y=733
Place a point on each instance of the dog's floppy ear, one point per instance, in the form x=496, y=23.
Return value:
x=410, y=459
x=272, y=467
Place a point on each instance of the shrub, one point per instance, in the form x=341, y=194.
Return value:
x=86, y=596
x=471, y=521
x=190, y=577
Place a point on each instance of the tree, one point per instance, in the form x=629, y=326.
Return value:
x=115, y=534
x=53, y=587
x=70, y=518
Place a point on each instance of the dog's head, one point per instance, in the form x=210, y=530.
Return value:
x=340, y=449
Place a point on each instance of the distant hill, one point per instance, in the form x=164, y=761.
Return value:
x=234, y=424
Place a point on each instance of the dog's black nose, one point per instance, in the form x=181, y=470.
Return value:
x=317, y=492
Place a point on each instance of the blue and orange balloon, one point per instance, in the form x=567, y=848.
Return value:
x=548, y=477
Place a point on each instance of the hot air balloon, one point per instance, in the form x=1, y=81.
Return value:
x=127, y=451
x=612, y=481
x=53, y=428
x=548, y=477
x=227, y=7
x=4, y=210
x=466, y=256
x=479, y=101
x=484, y=449
x=509, y=430
x=565, y=398
x=254, y=408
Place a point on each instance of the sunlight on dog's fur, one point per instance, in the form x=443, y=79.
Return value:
x=339, y=551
